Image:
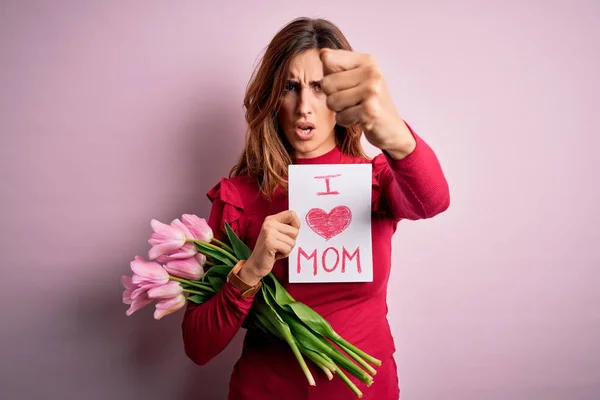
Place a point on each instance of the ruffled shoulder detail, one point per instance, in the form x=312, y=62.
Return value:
x=229, y=208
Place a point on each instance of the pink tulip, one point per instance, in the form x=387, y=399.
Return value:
x=147, y=272
x=188, y=268
x=133, y=291
x=165, y=239
x=186, y=251
x=198, y=227
x=181, y=226
x=168, y=306
x=134, y=295
x=167, y=291
x=129, y=288
x=138, y=303
x=142, y=288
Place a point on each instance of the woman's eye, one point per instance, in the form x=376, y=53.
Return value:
x=318, y=87
x=290, y=87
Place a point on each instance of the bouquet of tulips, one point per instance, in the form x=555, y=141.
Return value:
x=184, y=248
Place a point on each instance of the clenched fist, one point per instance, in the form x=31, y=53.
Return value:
x=276, y=240
x=357, y=92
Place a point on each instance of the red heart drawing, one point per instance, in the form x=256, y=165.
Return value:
x=329, y=224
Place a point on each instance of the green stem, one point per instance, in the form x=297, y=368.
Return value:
x=358, y=359
x=191, y=283
x=323, y=347
x=340, y=359
x=267, y=315
x=217, y=249
x=319, y=361
x=294, y=346
x=340, y=341
x=349, y=383
x=224, y=245
x=194, y=292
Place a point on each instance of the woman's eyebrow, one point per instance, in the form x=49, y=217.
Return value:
x=296, y=81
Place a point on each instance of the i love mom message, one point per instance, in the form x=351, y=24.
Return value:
x=333, y=203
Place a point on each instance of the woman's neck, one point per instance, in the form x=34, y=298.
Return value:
x=332, y=156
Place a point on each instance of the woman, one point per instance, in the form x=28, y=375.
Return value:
x=308, y=103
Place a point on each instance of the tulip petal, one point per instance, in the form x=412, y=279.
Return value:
x=167, y=291
x=126, y=281
x=165, y=238
x=143, y=288
x=188, y=268
x=129, y=288
x=164, y=229
x=179, y=225
x=186, y=251
x=151, y=272
x=160, y=249
x=198, y=226
x=137, y=304
x=162, y=246
x=168, y=306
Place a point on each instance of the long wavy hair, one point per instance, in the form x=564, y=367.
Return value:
x=267, y=152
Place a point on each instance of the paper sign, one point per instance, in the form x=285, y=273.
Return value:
x=333, y=203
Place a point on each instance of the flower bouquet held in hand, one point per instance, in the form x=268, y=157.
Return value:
x=187, y=263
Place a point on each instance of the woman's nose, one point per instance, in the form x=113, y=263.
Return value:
x=304, y=103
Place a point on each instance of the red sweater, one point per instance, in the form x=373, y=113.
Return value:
x=412, y=188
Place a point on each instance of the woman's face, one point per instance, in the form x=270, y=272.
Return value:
x=304, y=117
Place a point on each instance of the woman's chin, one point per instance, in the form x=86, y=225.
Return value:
x=310, y=149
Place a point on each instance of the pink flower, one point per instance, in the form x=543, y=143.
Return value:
x=181, y=226
x=165, y=239
x=147, y=272
x=150, y=281
x=188, y=268
x=166, y=291
x=186, y=251
x=198, y=227
x=168, y=306
x=134, y=295
x=129, y=288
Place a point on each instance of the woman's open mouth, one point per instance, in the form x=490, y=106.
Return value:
x=304, y=130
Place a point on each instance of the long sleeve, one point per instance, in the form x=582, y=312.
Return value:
x=209, y=327
x=414, y=187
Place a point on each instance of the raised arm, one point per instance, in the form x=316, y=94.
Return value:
x=414, y=185
x=356, y=90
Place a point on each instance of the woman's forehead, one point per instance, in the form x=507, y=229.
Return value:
x=306, y=66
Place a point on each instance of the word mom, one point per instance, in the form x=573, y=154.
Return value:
x=329, y=259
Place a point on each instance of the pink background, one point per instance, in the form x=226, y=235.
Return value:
x=114, y=113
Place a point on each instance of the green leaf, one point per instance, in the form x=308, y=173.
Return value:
x=242, y=252
x=266, y=325
x=314, y=320
x=219, y=271
x=198, y=298
x=265, y=306
x=306, y=314
x=321, y=346
x=214, y=254
x=281, y=295
x=215, y=282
